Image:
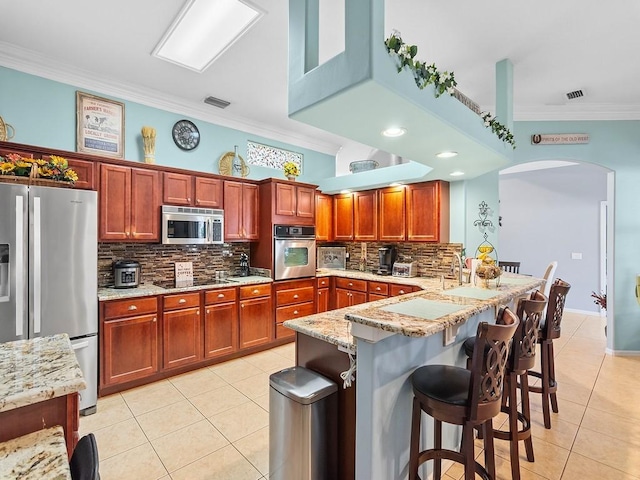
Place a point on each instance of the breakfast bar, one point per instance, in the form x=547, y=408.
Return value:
x=389, y=339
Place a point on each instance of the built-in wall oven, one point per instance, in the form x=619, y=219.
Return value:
x=294, y=252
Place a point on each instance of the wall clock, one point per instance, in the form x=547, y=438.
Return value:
x=186, y=135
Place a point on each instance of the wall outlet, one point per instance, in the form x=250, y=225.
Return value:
x=576, y=256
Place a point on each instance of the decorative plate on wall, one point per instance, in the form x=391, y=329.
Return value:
x=226, y=165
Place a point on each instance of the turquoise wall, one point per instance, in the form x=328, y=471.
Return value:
x=43, y=112
x=614, y=145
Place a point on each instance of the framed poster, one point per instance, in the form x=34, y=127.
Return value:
x=100, y=124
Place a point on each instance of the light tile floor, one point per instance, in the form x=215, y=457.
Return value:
x=213, y=423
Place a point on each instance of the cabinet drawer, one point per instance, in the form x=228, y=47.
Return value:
x=323, y=282
x=294, y=295
x=351, y=284
x=283, y=332
x=253, y=291
x=395, y=290
x=379, y=288
x=220, y=295
x=181, y=300
x=130, y=307
x=294, y=311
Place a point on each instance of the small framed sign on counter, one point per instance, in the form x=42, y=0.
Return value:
x=184, y=274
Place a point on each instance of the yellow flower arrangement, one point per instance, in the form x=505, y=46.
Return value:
x=291, y=169
x=53, y=168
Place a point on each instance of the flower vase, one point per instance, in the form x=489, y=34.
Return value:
x=291, y=177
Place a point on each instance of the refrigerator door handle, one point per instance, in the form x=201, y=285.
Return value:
x=79, y=345
x=17, y=261
x=37, y=268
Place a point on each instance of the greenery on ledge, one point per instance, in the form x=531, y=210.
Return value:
x=424, y=75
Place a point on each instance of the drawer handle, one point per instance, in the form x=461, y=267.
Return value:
x=378, y=288
x=295, y=296
x=132, y=308
x=182, y=300
x=295, y=312
x=401, y=291
x=350, y=284
x=256, y=291
x=221, y=295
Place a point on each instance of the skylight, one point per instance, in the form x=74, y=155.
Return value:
x=204, y=29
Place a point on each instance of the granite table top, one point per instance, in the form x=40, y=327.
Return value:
x=40, y=455
x=146, y=289
x=335, y=326
x=38, y=369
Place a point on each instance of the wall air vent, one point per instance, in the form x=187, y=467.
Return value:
x=575, y=94
x=217, y=102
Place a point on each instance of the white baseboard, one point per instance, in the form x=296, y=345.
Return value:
x=622, y=353
x=585, y=312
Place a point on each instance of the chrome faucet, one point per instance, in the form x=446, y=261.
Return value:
x=457, y=259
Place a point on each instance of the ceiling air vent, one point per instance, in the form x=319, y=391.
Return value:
x=575, y=94
x=217, y=102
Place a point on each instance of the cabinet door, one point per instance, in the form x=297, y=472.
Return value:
x=256, y=319
x=145, y=205
x=250, y=211
x=343, y=216
x=392, y=214
x=208, y=193
x=305, y=202
x=233, y=211
x=220, y=329
x=358, y=297
x=182, y=342
x=365, y=215
x=423, y=212
x=130, y=348
x=343, y=298
x=324, y=208
x=177, y=189
x=285, y=199
x=115, y=202
x=374, y=296
x=322, y=300
x=86, y=173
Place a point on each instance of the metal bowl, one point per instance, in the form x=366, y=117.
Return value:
x=362, y=166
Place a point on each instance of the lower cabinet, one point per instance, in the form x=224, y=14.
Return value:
x=255, y=315
x=322, y=300
x=181, y=330
x=129, y=340
x=294, y=299
x=220, y=322
x=350, y=292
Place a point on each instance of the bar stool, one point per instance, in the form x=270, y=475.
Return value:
x=550, y=331
x=522, y=358
x=511, y=267
x=463, y=397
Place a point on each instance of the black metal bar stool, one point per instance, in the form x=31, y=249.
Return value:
x=522, y=358
x=550, y=331
x=463, y=397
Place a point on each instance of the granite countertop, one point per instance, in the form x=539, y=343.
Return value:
x=335, y=326
x=146, y=289
x=38, y=369
x=36, y=456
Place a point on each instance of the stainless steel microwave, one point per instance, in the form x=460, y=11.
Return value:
x=191, y=225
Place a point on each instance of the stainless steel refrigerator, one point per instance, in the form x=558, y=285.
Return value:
x=48, y=271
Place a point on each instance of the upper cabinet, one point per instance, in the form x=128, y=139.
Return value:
x=365, y=215
x=392, y=220
x=241, y=212
x=428, y=212
x=292, y=204
x=129, y=204
x=190, y=190
x=343, y=216
x=324, y=217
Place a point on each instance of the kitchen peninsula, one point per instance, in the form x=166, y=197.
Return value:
x=390, y=338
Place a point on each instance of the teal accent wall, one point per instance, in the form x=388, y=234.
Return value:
x=616, y=146
x=478, y=190
x=43, y=113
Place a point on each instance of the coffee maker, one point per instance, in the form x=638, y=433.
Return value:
x=387, y=256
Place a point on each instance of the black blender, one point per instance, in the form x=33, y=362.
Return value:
x=244, y=265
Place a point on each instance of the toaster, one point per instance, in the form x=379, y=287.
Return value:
x=404, y=269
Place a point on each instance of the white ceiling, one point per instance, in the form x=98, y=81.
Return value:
x=556, y=47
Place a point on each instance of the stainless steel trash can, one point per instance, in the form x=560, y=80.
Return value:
x=303, y=412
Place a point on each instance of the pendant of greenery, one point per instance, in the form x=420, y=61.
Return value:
x=424, y=75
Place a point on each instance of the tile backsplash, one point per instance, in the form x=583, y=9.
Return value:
x=157, y=260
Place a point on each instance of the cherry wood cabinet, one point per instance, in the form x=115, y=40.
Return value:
x=365, y=215
x=86, y=172
x=241, y=211
x=255, y=315
x=350, y=292
x=293, y=299
x=220, y=322
x=181, y=330
x=323, y=297
x=128, y=340
x=294, y=205
x=190, y=190
x=324, y=217
x=343, y=216
x=129, y=204
x=392, y=214
x=428, y=212
x=395, y=290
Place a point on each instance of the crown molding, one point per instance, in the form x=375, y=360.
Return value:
x=33, y=63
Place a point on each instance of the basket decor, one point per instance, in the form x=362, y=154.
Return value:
x=34, y=179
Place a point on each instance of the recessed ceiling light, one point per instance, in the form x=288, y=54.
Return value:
x=204, y=29
x=345, y=191
x=396, y=184
x=394, y=132
x=457, y=173
x=446, y=154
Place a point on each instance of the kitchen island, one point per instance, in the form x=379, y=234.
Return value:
x=390, y=338
x=39, y=383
